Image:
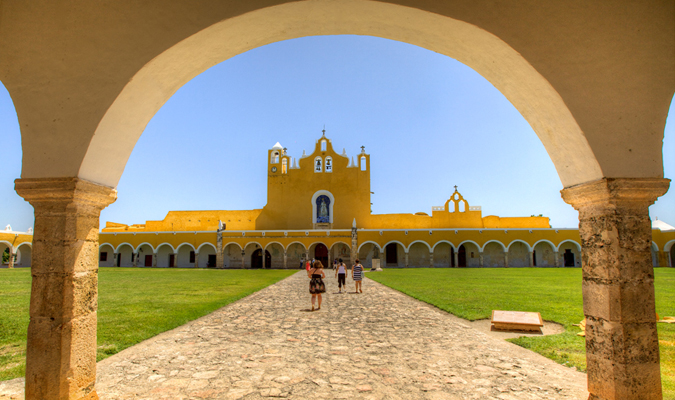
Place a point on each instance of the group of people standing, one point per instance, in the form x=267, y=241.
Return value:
x=316, y=273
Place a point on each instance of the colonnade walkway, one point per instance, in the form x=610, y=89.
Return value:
x=377, y=345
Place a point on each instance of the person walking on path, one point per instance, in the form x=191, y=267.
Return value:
x=357, y=276
x=341, y=274
x=316, y=285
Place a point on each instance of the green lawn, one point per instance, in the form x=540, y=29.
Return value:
x=134, y=305
x=555, y=293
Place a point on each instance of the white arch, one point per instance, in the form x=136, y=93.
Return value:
x=185, y=244
x=145, y=243
x=9, y=245
x=339, y=241
x=29, y=244
x=418, y=241
x=199, y=249
x=250, y=243
x=489, y=55
x=106, y=244
x=117, y=249
x=482, y=249
x=165, y=244
x=668, y=245
x=330, y=206
x=275, y=242
x=229, y=243
x=521, y=241
x=654, y=246
x=571, y=241
x=405, y=249
x=472, y=242
x=554, y=247
x=445, y=241
x=292, y=243
x=314, y=243
x=368, y=241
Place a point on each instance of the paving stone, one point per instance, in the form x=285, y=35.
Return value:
x=379, y=344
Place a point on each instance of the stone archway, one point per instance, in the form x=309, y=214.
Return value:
x=607, y=153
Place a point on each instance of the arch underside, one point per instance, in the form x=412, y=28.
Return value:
x=506, y=69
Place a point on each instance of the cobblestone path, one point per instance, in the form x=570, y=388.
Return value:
x=377, y=345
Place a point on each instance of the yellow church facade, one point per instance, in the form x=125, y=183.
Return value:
x=318, y=206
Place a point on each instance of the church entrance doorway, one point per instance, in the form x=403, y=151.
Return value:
x=257, y=261
x=568, y=258
x=321, y=254
x=461, y=257
x=148, y=260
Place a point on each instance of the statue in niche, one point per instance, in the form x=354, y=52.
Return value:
x=322, y=209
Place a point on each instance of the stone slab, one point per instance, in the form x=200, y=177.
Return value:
x=516, y=321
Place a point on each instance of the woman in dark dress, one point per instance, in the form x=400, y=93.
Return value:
x=316, y=285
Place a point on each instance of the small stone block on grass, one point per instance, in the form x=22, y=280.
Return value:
x=516, y=321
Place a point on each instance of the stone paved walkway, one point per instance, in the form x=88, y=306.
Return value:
x=377, y=345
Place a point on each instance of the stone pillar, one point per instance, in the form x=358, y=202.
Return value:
x=61, y=346
x=383, y=258
x=506, y=259
x=431, y=259
x=12, y=258
x=330, y=258
x=622, y=348
x=115, y=255
x=135, y=256
x=263, y=259
x=175, y=260
x=480, y=259
x=556, y=259
x=406, y=259
x=154, y=260
x=220, y=260
x=531, y=253
x=243, y=259
x=285, y=260
x=196, y=260
x=456, y=257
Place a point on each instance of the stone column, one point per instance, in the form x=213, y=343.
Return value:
x=431, y=259
x=12, y=258
x=506, y=259
x=196, y=260
x=622, y=348
x=480, y=259
x=556, y=259
x=383, y=258
x=330, y=258
x=406, y=259
x=243, y=259
x=61, y=347
x=285, y=260
x=136, y=255
x=175, y=260
x=263, y=259
x=220, y=260
x=531, y=253
x=154, y=260
x=456, y=257
x=115, y=259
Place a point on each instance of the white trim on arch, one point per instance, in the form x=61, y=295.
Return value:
x=296, y=242
x=106, y=244
x=395, y=241
x=137, y=249
x=29, y=244
x=668, y=245
x=529, y=249
x=165, y=244
x=553, y=246
x=9, y=245
x=274, y=242
x=199, y=249
x=339, y=241
x=654, y=246
x=571, y=241
x=368, y=241
x=185, y=244
x=330, y=206
x=117, y=249
x=418, y=241
x=229, y=243
x=482, y=249
x=452, y=245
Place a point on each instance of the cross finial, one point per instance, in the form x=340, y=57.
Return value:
x=455, y=188
x=363, y=149
x=324, y=130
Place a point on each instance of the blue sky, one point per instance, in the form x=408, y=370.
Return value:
x=428, y=121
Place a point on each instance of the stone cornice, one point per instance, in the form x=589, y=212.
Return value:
x=616, y=192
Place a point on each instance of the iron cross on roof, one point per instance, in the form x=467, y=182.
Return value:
x=455, y=188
